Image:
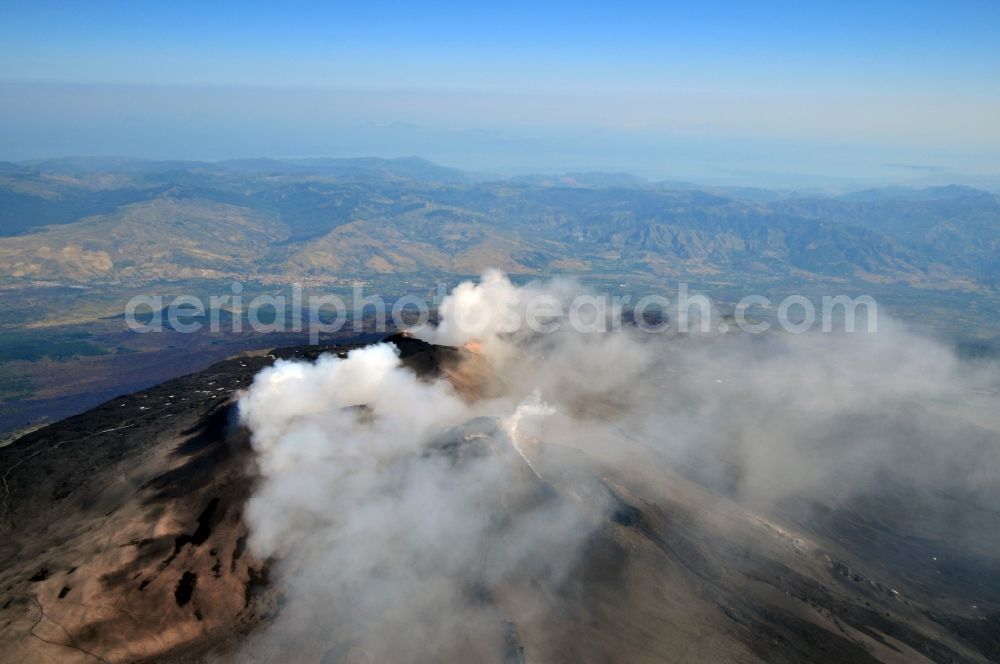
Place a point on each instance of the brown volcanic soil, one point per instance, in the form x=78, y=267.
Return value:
x=123, y=540
x=122, y=527
x=121, y=532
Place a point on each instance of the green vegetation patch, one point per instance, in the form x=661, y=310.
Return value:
x=15, y=386
x=31, y=347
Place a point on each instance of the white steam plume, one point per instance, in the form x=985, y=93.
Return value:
x=395, y=508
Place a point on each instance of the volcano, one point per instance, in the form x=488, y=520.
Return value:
x=125, y=539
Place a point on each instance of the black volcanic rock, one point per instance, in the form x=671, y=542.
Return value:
x=138, y=503
x=123, y=540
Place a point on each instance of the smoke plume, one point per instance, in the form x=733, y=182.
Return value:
x=399, y=508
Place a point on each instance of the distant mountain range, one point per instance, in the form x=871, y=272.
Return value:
x=102, y=220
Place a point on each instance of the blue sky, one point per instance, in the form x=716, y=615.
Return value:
x=708, y=90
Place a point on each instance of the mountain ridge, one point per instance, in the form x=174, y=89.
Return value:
x=420, y=218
